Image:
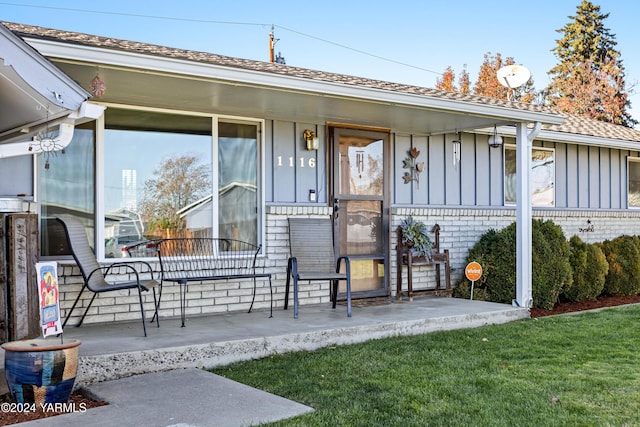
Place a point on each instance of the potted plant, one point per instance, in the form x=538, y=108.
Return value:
x=43, y=370
x=416, y=237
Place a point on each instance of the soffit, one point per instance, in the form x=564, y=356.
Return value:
x=141, y=87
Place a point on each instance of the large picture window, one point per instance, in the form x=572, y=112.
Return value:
x=542, y=176
x=174, y=175
x=634, y=183
x=164, y=175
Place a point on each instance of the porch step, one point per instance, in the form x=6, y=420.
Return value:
x=119, y=350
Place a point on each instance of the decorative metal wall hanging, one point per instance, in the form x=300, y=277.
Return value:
x=415, y=167
x=47, y=144
x=97, y=86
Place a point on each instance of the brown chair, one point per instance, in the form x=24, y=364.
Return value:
x=313, y=258
x=93, y=274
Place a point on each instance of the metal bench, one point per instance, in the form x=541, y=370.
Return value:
x=184, y=260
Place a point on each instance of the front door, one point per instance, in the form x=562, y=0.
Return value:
x=360, y=195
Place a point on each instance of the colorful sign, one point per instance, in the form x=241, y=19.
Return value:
x=473, y=271
x=49, y=298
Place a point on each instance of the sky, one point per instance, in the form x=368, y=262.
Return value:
x=404, y=41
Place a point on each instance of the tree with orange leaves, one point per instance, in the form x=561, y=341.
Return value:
x=446, y=82
x=464, y=81
x=487, y=83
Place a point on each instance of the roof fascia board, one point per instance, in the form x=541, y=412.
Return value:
x=287, y=83
x=574, y=138
x=588, y=140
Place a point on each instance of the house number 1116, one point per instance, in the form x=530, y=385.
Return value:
x=311, y=162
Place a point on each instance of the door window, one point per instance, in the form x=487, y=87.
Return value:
x=360, y=204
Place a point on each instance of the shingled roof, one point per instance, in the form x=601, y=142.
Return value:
x=573, y=124
x=589, y=127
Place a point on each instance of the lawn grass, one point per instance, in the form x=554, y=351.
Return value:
x=571, y=370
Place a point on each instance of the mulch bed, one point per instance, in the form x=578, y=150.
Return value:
x=570, y=307
x=77, y=402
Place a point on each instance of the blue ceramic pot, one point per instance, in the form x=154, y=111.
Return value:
x=41, y=371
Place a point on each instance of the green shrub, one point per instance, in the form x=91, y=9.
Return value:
x=550, y=258
x=496, y=253
x=623, y=256
x=589, y=267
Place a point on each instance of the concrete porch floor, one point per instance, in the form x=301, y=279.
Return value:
x=112, y=351
x=170, y=358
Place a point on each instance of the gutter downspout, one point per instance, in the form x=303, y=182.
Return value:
x=65, y=133
x=524, y=140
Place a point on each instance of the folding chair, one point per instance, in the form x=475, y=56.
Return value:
x=93, y=274
x=313, y=258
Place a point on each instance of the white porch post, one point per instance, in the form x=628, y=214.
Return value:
x=523, y=214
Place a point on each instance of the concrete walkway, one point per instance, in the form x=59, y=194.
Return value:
x=167, y=391
x=184, y=397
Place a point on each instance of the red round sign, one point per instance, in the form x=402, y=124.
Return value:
x=473, y=271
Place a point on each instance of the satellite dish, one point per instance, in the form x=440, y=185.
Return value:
x=513, y=76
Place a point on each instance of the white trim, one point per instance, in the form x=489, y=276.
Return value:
x=215, y=212
x=523, y=218
x=572, y=138
x=47, y=80
x=631, y=160
x=533, y=148
x=260, y=172
x=238, y=76
x=262, y=185
x=99, y=189
x=66, y=126
x=215, y=119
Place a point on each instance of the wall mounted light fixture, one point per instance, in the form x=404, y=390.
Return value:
x=495, y=140
x=311, y=139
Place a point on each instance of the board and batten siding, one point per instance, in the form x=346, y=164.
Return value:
x=591, y=177
x=586, y=177
x=292, y=170
x=475, y=180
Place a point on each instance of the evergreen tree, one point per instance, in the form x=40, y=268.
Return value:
x=589, y=78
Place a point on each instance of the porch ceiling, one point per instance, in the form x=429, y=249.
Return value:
x=210, y=95
x=20, y=104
